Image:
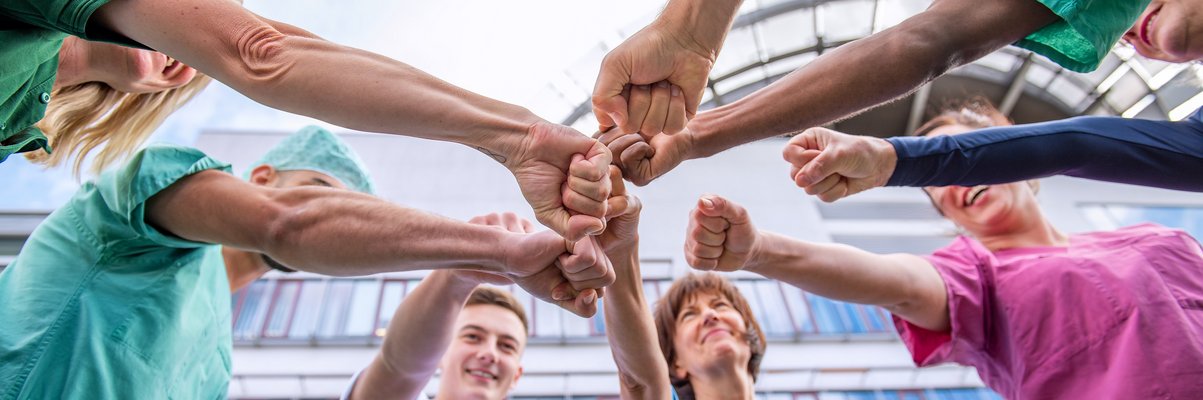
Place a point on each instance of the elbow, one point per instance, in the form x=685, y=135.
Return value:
x=283, y=229
x=264, y=56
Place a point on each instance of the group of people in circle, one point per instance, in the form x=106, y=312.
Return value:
x=124, y=291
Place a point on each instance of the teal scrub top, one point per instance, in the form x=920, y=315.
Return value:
x=31, y=33
x=1086, y=32
x=101, y=305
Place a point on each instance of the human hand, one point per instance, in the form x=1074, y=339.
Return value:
x=642, y=161
x=564, y=176
x=622, y=226
x=569, y=275
x=833, y=165
x=508, y=222
x=720, y=236
x=653, y=82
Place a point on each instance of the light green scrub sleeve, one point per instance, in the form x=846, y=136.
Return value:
x=101, y=305
x=1085, y=33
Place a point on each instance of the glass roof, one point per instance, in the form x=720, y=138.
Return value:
x=773, y=37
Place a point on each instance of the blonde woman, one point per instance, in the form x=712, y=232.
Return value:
x=283, y=67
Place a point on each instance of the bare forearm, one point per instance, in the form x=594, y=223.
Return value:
x=703, y=23
x=837, y=271
x=871, y=71
x=295, y=71
x=418, y=335
x=632, y=333
x=343, y=233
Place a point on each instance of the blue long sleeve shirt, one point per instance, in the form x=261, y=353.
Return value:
x=1161, y=154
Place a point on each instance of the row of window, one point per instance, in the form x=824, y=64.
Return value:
x=927, y=394
x=333, y=309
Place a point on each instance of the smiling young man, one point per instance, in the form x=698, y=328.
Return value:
x=474, y=334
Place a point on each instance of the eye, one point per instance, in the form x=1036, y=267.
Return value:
x=686, y=315
x=509, y=348
x=471, y=337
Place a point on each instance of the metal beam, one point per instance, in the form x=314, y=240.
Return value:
x=918, y=105
x=1018, y=80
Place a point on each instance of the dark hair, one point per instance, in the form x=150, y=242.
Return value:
x=680, y=293
x=491, y=296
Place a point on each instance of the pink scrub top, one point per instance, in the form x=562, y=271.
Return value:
x=1116, y=315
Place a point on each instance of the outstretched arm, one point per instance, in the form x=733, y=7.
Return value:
x=642, y=371
x=1162, y=154
x=721, y=236
x=417, y=336
x=851, y=78
x=286, y=68
x=338, y=232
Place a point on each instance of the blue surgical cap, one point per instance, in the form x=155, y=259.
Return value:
x=316, y=149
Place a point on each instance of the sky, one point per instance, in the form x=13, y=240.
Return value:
x=504, y=50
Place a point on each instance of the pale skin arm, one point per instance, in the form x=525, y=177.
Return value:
x=721, y=236
x=286, y=68
x=343, y=233
x=630, y=330
x=849, y=79
x=418, y=335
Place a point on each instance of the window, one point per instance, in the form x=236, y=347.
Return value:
x=1113, y=216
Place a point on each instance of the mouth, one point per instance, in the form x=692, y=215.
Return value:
x=1146, y=23
x=715, y=332
x=973, y=195
x=483, y=375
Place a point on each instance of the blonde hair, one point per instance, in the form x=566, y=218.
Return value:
x=82, y=117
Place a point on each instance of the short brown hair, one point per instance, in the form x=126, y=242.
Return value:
x=681, y=291
x=491, y=296
x=974, y=112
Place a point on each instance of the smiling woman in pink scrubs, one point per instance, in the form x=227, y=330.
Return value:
x=1039, y=313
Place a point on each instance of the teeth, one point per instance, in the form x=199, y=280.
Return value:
x=974, y=194
x=482, y=374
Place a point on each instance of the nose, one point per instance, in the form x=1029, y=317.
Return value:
x=709, y=317
x=487, y=354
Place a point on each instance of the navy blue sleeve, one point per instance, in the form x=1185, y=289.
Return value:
x=1140, y=152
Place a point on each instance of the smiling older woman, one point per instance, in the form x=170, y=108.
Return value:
x=1040, y=314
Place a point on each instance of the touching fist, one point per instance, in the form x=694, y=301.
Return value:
x=833, y=165
x=720, y=235
x=564, y=175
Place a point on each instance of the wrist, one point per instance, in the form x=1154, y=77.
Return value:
x=698, y=25
x=507, y=136
x=887, y=160
x=455, y=282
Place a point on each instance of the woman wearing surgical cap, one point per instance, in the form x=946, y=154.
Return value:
x=123, y=293
x=65, y=94
x=701, y=342
x=1040, y=314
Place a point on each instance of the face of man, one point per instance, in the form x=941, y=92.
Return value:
x=483, y=359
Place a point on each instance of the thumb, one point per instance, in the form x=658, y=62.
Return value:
x=609, y=104
x=823, y=165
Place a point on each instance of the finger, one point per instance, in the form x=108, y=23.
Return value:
x=653, y=123
x=589, y=189
x=617, y=188
x=620, y=144
x=716, y=206
x=617, y=206
x=608, y=135
x=582, y=255
x=798, y=155
x=593, y=284
x=707, y=237
x=581, y=204
x=583, y=304
x=713, y=224
x=479, y=220
x=637, y=107
x=527, y=226
x=511, y=222
x=594, y=166
x=675, y=121
x=704, y=251
x=701, y=264
x=636, y=155
x=822, y=186
x=571, y=227
x=838, y=191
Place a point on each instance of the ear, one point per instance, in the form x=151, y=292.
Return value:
x=517, y=375
x=679, y=372
x=264, y=175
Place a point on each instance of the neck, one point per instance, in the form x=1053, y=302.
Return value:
x=1038, y=233
x=242, y=267
x=728, y=385
x=73, y=68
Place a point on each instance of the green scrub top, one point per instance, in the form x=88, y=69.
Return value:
x=31, y=33
x=1086, y=32
x=101, y=305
